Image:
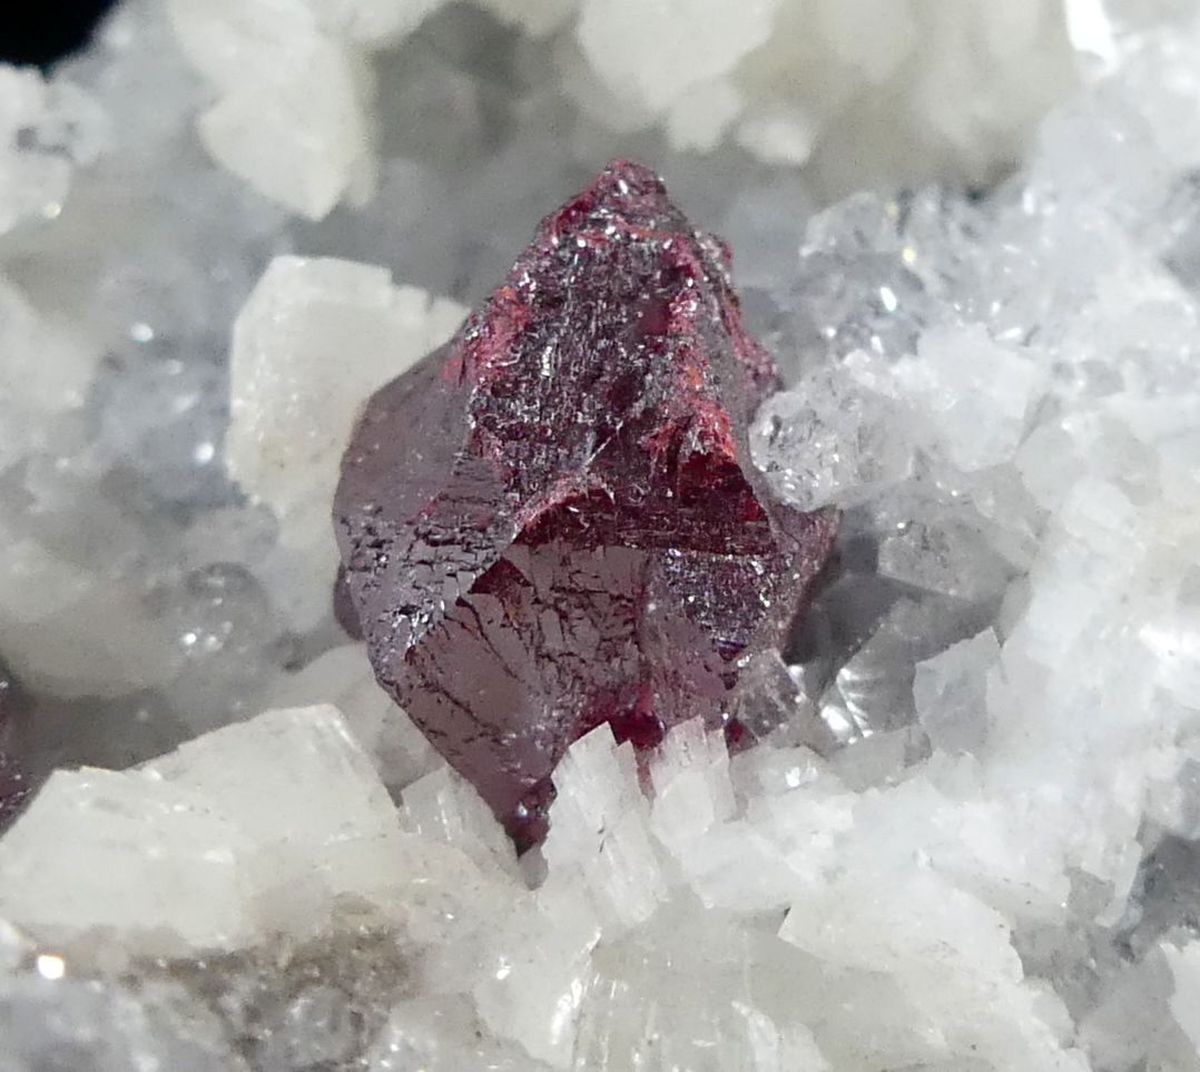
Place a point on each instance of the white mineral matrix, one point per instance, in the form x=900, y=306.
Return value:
x=971, y=844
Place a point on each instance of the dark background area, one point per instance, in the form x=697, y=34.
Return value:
x=39, y=32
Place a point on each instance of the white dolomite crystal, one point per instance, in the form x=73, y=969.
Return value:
x=615, y=37
x=966, y=83
x=261, y=818
x=314, y=340
x=133, y=855
x=443, y=1034
x=305, y=150
x=1185, y=1001
x=600, y=841
x=440, y=806
x=950, y=692
x=47, y=369
x=536, y=17
x=47, y=130
x=343, y=678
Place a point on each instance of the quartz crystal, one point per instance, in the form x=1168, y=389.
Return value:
x=553, y=521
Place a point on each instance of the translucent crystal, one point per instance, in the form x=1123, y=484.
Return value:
x=441, y=806
x=1132, y=1020
x=600, y=829
x=342, y=677
x=634, y=1015
x=856, y=290
x=1162, y=901
x=942, y=547
x=1185, y=967
x=971, y=955
x=972, y=395
x=691, y=783
x=536, y=965
x=225, y=632
x=949, y=692
x=443, y=1035
x=154, y=857
x=830, y=441
x=169, y=852
x=46, y=372
x=165, y=419
x=64, y=1023
x=57, y=617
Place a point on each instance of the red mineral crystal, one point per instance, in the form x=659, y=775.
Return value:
x=553, y=521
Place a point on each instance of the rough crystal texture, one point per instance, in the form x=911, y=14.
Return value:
x=553, y=522
x=442, y=1034
x=306, y=150
x=294, y=399
x=852, y=88
x=950, y=695
x=342, y=677
x=46, y=130
x=857, y=90
x=1185, y=1003
x=49, y=1023
x=175, y=850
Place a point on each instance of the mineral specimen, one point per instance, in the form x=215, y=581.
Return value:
x=553, y=521
x=993, y=869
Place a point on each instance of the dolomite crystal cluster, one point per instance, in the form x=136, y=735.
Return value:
x=968, y=836
x=859, y=89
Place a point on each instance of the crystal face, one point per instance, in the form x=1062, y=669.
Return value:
x=553, y=521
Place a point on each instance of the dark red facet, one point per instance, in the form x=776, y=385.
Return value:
x=553, y=521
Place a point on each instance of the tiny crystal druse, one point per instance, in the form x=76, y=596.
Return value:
x=553, y=522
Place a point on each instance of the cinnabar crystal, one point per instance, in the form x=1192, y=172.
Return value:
x=553, y=521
